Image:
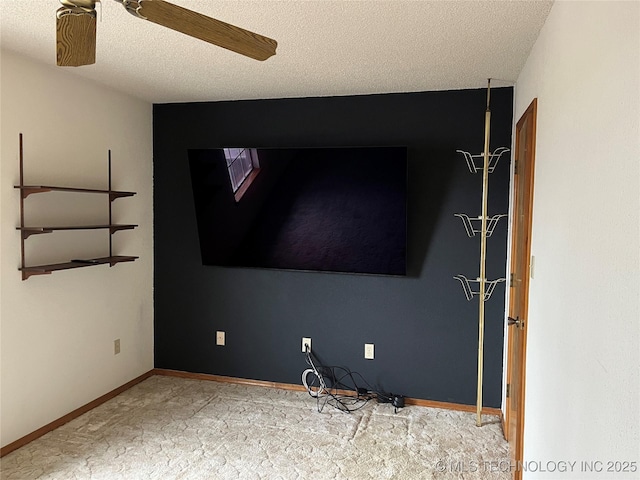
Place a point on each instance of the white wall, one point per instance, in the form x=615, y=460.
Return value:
x=582, y=388
x=57, y=330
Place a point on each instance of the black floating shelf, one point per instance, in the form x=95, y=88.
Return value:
x=29, y=189
x=28, y=231
x=54, y=267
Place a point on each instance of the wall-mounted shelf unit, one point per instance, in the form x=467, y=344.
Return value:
x=27, y=230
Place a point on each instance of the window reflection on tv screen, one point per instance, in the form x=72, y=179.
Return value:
x=315, y=209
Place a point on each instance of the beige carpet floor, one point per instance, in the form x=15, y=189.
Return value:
x=172, y=428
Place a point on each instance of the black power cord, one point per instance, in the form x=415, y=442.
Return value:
x=324, y=383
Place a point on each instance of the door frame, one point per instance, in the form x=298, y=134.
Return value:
x=521, y=168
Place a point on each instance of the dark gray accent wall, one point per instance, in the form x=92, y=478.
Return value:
x=424, y=330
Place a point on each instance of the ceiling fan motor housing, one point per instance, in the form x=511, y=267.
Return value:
x=82, y=4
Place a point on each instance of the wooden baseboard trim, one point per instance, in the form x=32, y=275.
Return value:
x=72, y=415
x=300, y=388
x=224, y=379
x=460, y=407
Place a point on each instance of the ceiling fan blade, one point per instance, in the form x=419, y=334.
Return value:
x=204, y=28
x=75, y=36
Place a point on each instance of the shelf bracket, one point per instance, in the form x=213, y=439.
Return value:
x=26, y=191
x=26, y=274
x=27, y=232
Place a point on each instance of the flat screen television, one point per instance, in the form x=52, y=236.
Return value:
x=315, y=209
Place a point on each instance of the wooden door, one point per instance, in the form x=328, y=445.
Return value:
x=519, y=282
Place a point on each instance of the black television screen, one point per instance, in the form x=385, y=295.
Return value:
x=321, y=209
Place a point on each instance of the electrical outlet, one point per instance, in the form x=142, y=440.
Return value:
x=368, y=351
x=306, y=341
x=116, y=346
x=220, y=338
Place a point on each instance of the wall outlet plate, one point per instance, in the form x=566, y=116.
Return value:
x=306, y=341
x=368, y=351
x=116, y=346
x=220, y=338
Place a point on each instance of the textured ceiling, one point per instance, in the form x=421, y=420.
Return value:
x=325, y=48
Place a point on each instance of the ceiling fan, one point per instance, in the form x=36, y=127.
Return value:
x=76, y=30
